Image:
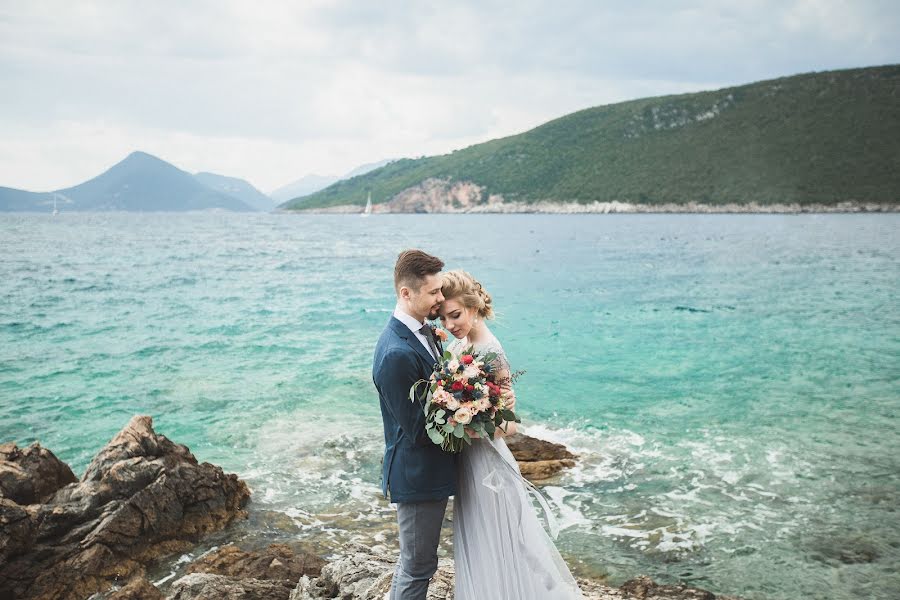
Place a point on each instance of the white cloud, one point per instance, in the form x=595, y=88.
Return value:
x=270, y=91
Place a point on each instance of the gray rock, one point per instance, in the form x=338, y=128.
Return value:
x=366, y=575
x=208, y=586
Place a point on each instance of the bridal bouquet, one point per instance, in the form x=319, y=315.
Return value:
x=462, y=397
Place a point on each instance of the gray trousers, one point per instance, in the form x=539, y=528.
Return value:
x=420, y=532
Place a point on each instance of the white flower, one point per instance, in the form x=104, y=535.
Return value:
x=452, y=403
x=453, y=365
x=442, y=397
x=471, y=371
x=463, y=415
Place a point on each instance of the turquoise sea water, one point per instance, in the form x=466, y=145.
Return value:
x=730, y=382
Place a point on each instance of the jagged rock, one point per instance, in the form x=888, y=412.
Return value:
x=143, y=496
x=16, y=530
x=31, y=475
x=137, y=589
x=208, y=586
x=366, y=574
x=539, y=460
x=277, y=562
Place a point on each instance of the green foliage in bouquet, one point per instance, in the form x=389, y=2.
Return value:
x=463, y=398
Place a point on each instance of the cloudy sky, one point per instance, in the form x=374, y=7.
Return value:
x=271, y=91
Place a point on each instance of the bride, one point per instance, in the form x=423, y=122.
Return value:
x=499, y=546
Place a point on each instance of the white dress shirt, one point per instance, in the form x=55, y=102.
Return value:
x=414, y=326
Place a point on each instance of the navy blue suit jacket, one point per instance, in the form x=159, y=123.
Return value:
x=415, y=469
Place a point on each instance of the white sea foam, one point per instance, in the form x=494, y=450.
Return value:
x=725, y=484
x=625, y=486
x=570, y=514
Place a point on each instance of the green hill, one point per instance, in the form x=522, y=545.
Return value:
x=819, y=138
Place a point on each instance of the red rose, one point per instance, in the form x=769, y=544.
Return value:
x=466, y=359
x=470, y=387
x=457, y=386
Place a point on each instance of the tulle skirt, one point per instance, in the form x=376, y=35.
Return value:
x=500, y=548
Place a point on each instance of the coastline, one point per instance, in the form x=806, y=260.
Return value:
x=565, y=208
x=146, y=505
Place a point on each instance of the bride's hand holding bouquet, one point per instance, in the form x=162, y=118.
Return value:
x=465, y=398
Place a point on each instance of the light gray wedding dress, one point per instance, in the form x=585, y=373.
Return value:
x=500, y=549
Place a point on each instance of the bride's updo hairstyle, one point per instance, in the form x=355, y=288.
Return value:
x=459, y=285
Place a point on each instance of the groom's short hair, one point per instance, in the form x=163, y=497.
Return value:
x=413, y=266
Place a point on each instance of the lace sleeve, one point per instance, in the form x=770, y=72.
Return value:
x=501, y=363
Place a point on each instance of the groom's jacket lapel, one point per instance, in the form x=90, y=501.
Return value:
x=403, y=331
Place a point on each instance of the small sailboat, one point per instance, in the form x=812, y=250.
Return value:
x=55, y=209
x=368, y=209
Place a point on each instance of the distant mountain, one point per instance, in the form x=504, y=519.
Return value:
x=819, y=138
x=363, y=169
x=12, y=199
x=313, y=183
x=237, y=188
x=302, y=187
x=141, y=182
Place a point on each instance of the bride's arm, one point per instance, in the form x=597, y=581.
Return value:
x=507, y=427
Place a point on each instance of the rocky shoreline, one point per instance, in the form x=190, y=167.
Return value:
x=465, y=197
x=573, y=208
x=144, y=500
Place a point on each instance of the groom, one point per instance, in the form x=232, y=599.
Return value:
x=418, y=475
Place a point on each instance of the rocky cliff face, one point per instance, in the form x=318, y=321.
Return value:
x=141, y=497
x=436, y=195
